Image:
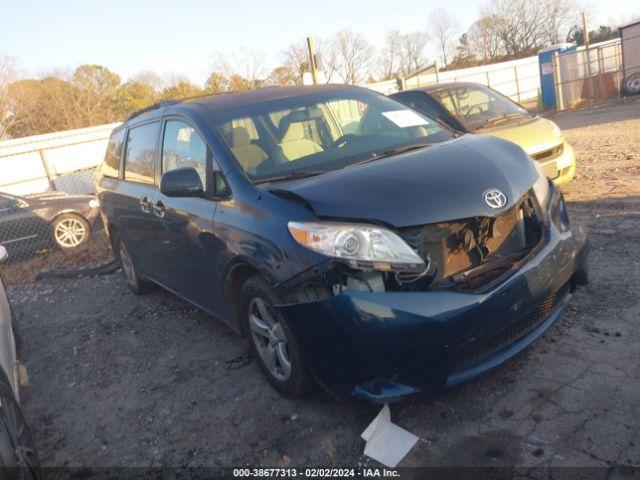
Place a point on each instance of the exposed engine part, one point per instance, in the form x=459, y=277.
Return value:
x=366, y=282
x=472, y=252
x=466, y=254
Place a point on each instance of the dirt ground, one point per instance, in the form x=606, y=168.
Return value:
x=119, y=380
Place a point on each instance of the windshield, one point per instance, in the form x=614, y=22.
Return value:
x=477, y=107
x=320, y=132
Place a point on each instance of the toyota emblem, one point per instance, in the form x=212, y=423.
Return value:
x=495, y=198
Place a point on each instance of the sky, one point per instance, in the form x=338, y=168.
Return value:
x=181, y=36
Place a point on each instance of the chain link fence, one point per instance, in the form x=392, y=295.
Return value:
x=49, y=215
x=587, y=75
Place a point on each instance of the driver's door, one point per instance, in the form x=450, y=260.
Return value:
x=187, y=246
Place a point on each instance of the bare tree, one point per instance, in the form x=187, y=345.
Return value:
x=329, y=57
x=519, y=23
x=150, y=78
x=561, y=15
x=9, y=105
x=484, y=40
x=414, y=52
x=296, y=59
x=444, y=28
x=390, y=57
x=245, y=63
x=516, y=28
x=353, y=56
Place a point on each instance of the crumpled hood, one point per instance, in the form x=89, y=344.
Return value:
x=443, y=182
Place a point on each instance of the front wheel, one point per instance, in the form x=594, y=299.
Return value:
x=70, y=231
x=271, y=342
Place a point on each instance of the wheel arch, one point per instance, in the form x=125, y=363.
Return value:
x=69, y=211
x=236, y=277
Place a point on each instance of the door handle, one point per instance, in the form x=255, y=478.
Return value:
x=144, y=204
x=158, y=209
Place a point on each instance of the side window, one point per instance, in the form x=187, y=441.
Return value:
x=420, y=104
x=111, y=164
x=220, y=188
x=183, y=147
x=140, y=153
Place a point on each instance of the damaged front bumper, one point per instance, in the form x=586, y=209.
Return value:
x=383, y=346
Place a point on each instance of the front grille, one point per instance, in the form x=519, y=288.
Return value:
x=549, y=153
x=512, y=334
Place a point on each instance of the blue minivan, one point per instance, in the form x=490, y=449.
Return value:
x=355, y=242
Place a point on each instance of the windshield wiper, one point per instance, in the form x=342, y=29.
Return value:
x=393, y=151
x=493, y=121
x=290, y=176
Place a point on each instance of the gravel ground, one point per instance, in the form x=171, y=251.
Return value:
x=124, y=380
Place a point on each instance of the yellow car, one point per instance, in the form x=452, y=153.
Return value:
x=474, y=108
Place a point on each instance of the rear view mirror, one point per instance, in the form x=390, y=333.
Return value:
x=181, y=182
x=3, y=254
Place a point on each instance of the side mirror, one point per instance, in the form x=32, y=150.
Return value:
x=181, y=182
x=3, y=254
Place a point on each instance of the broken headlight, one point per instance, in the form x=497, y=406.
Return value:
x=541, y=188
x=364, y=247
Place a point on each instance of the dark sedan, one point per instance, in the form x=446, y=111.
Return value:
x=354, y=241
x=36, y=221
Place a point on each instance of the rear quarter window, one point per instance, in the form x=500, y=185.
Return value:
x=140, y=153
x=111, y=164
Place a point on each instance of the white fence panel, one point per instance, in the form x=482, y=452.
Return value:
x=61, y=160
x=517, y=79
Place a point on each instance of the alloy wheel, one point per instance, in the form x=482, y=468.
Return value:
x=633, y=84
x=269, y=338
x=70, y=232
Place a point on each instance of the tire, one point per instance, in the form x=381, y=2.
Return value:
x=131, y=278
x=632, y=84
x=18, y=455
x=70, y=231
x=271, y=342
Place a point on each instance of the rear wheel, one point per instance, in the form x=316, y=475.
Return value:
x=633, y=84
x=135, y=284
x=271, y=342
x=70, y=231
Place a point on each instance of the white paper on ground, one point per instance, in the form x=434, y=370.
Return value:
x=405, y=118
x=386, y=442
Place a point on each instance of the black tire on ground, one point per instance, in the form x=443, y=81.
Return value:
x=70, y=231
x=299, y=382
x=131, y=278
x=17, y=448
